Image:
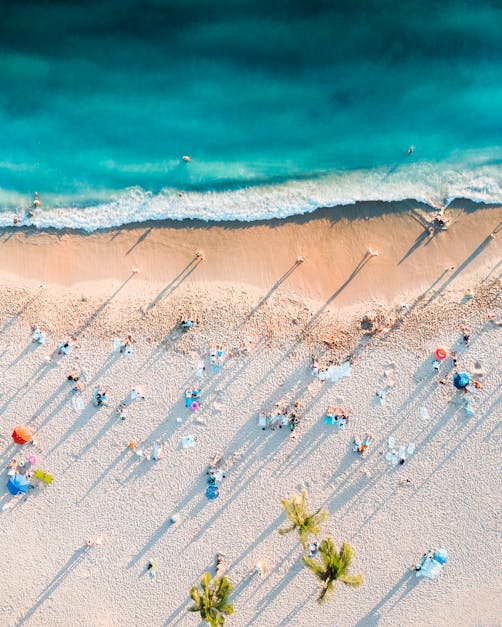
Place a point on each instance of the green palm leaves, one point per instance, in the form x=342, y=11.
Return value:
x=306, y=524
x=331, y=566
x=211, y=599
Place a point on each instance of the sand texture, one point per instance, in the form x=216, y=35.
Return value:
x=101, y=488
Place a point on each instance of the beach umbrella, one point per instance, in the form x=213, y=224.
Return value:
x=461, y=380
x=440, y=353
x=212, y=492
x=21, y=435
x=17, y=484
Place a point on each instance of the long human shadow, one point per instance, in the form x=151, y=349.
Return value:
x=26, y=351
x=477, y=251
x=85, y=416
x=60, y=576
x=152, y=540
x=12, y=319
x=100, y=309
x=458, y=443
x=141, y=238
x=423, y=238
x=274, y=287
x=407, y=581
x=173, y=285
x=291, y=574
x=492, y=271
x=309, y=325
x=121, y=456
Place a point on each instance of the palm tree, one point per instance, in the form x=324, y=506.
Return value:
x=332, y=566
x=212, y=601
x=306, y=524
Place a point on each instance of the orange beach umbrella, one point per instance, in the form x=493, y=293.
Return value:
x=21, y=435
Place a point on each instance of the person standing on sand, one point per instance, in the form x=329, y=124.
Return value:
x=466, y=335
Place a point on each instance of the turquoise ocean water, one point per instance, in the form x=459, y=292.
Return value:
x=282, y=106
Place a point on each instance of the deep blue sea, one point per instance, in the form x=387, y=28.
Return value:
x=282, y=106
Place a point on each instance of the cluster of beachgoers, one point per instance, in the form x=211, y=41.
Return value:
x=172, y=438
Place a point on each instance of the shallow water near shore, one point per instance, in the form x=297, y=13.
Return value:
x=282, y=109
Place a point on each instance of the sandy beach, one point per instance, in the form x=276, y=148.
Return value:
x=284, y=290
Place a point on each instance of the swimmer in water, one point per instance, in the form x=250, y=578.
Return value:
x=410, y=150
x=36, y=201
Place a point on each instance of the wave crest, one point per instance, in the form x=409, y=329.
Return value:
x=424, y=183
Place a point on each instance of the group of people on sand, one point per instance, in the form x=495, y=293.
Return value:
x=283, y=415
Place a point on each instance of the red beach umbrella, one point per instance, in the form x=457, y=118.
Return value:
x=440, y=353
x=21, y=435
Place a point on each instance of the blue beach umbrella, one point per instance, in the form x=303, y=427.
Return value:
x=17, y=484
x=212, y=492
x=461, y=380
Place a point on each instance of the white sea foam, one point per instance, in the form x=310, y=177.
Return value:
x=424, y=182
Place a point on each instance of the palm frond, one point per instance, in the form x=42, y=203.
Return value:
x=315, y=567
x=211, y=599
x=195, y=595
x=284, y=530
x=227, y=609
x=346, y=555
x=354, y=581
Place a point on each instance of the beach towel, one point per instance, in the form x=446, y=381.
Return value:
x=77, y=403
x=43, y=476
x=188, y=441
x=335, y=373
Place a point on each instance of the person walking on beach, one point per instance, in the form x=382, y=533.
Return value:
x=466, y=335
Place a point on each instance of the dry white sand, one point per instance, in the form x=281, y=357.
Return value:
x=244, y=288
x=101, y=488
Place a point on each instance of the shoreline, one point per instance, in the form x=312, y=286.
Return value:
x=261, y=256
x=251, y=291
